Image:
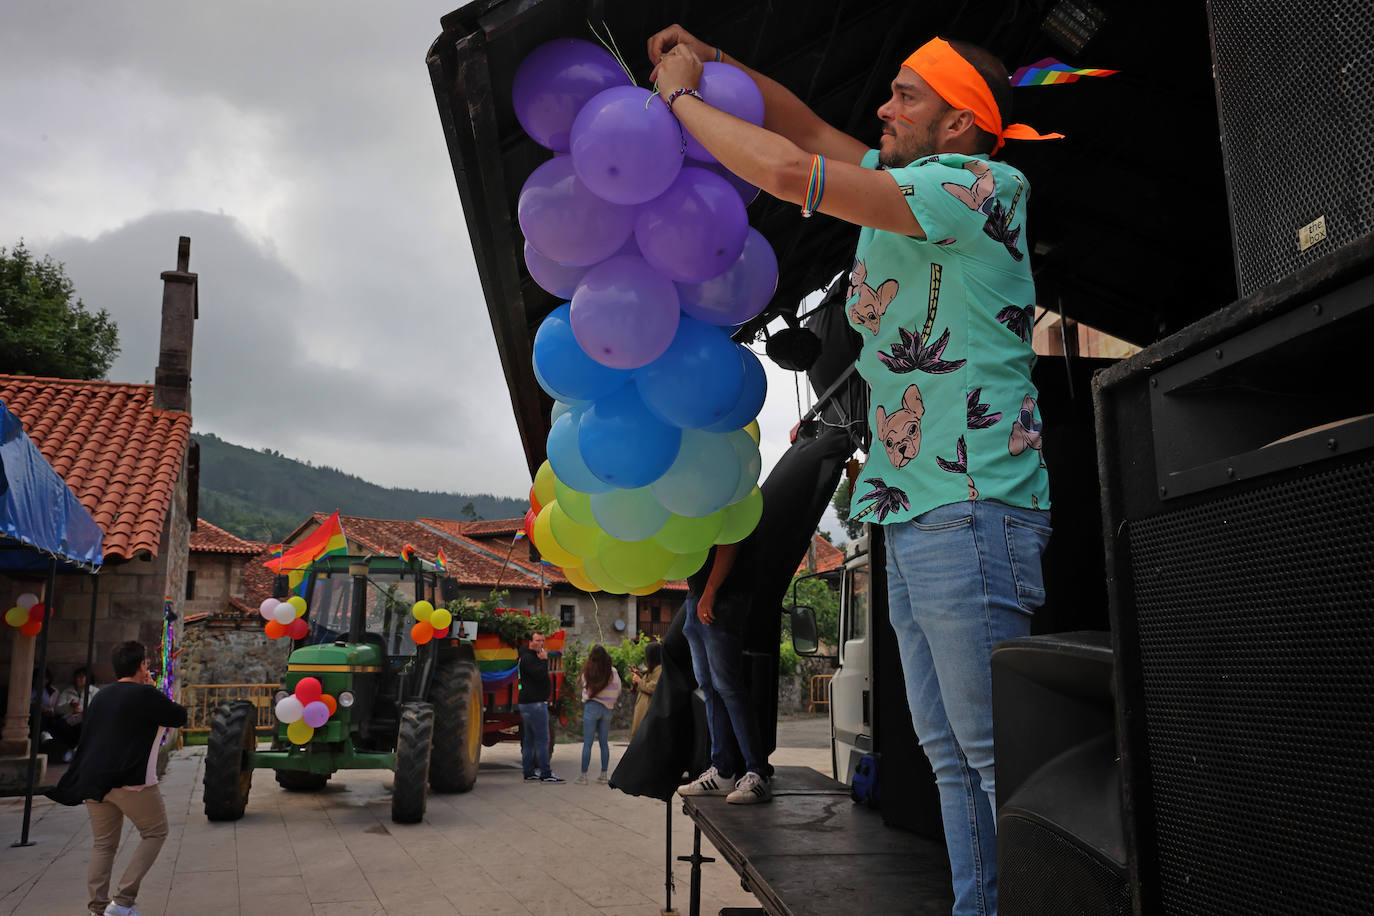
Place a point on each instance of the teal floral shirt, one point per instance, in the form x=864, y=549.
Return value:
x=946, y=323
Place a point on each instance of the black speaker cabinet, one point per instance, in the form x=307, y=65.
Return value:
x=1237, y=466
x=1295, y=95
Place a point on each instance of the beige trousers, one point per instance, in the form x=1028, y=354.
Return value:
x=145, y=810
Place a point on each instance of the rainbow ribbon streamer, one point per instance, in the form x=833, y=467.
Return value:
x=1051, y=72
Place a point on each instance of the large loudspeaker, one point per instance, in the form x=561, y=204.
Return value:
x=1237, y=463
x=1295, y=92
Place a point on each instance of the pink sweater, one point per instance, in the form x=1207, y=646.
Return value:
x=608, y=694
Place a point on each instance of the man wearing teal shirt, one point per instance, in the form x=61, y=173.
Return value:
x=941, y=292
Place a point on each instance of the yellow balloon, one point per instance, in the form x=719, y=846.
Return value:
x=17, y=616
x=299, y=733
x=592, y=566
x=422, y=610
x=543, y=484
x=753, y=430
x=648, y=589
x=548, y=546
x=297, y=602
x=578, y=577
x=741, y=518
x=441, y=618
x=577, y=539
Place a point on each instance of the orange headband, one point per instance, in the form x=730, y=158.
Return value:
x=956, y=81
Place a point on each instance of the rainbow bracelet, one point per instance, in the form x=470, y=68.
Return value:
x=720, y=55
x=815, y=186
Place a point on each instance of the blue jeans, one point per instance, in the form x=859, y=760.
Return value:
x=596, y=723
x=960, y=579
x=718, y=662
x=534, y=738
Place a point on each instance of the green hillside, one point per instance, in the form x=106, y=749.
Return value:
x=263, y=496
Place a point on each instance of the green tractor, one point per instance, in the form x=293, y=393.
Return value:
x=413, y=709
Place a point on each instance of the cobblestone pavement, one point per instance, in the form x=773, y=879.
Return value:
x=507, y=848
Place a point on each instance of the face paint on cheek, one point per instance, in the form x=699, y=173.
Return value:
x=905, y=120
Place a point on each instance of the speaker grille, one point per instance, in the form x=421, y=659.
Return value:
x=1041, y=872
x=1256, y=622
x=1295, y=88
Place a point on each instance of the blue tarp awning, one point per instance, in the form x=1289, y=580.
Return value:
x=38, y=510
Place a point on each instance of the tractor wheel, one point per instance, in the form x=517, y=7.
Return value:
x=301, y=780
x=229, y=760
x=456, y=693
x=413, y=743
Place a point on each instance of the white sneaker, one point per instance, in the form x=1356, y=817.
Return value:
x=708, y=783
x=114, y=909
x=751, y=789
x=603, y=777
x=581, y=780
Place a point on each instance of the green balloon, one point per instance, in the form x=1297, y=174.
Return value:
x=741, y=518
x=577, y=505
x=597, y=573
x=635, y=563
x=686, y=564
x=690, y=535
x=579, y=540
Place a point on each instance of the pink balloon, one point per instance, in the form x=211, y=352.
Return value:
x=315, y=714
x=626, y=145
x=308, y=689
x=565, y=222
x=730, y=89
x=695, y=230
x=738, y=294
x=267, y=607
x=554, y=81
x=624, y=313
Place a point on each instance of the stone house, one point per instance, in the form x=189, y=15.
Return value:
x=126, y=452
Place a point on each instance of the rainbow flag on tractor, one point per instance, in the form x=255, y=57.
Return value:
x=325, y=541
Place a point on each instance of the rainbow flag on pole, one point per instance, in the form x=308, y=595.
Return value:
x=325, y=541
x=1050, y=72
x=441, y=561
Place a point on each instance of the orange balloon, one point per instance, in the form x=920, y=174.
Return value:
x=31, y=628
x=274, y=630
x=422, y=633
x=329, y=701
x=534, y=502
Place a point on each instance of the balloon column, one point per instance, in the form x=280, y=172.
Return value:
x=284, y=618
x=305, y=710
x=653, y=451
x=27, y=614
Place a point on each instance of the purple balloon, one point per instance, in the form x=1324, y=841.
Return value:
x=624, y=313
x=316, y=714
x=626, y=145
x=623, y=444
x=738, y=294
x=557, y=279
x=554, y=81
x=695, y=230
x=566, y=222
x=747, y=192
x=730, y=89
x=563, y=368
x=697, y=381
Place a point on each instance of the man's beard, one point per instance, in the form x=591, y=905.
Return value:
x=906, y=150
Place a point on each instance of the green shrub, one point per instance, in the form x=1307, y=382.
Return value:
x=513, y=628
x=787, y=659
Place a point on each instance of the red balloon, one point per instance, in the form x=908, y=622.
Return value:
x=31, y=628
x=534, y=503
x=298, y=628
x=274, y=630
x=308, y=690
x=440, y=634
x=530, y=516
x=36, y=612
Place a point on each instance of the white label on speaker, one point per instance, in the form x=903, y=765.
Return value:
x=1312, y=233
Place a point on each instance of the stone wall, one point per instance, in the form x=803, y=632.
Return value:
x=219, y=577
x=215, y=653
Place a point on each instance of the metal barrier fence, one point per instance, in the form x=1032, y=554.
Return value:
x=201, y=700
x=820, y=692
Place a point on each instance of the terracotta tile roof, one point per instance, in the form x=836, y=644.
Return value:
x=827, y=555
x=208, y=538
x=120, y=456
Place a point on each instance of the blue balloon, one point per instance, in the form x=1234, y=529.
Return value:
x=752, y=394
x=622, y=443
x=697, y=380
x=566, y=459
x=704, y=477
x=569, y=374
x=630, y=515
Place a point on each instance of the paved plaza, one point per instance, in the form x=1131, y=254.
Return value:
x=507, y=848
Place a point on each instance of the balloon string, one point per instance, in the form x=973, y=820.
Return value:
x=609, y=44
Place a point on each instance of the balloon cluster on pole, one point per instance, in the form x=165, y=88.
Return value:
x=28, y=614
x=284, y=618
x=653, y=446
x=305, y=710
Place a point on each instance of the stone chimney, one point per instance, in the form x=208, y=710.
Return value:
x=180, y=309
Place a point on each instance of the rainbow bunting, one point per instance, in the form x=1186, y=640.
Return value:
x=1050, y=72
x=325, y=541
x=441, y=561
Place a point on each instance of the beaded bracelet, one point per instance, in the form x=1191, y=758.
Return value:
x=679, y=92
x=815, y=186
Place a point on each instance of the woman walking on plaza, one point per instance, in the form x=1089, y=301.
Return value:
x=600, y=688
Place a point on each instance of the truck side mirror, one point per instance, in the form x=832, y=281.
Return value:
x=804, y=638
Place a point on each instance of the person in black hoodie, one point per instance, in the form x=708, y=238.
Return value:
x=115, y=773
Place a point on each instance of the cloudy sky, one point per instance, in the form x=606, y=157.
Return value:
x=298, y=145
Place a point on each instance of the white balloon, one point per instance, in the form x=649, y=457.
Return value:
x=290, y=709
x=283, y=613
x=267, y=607
x=26, y=600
